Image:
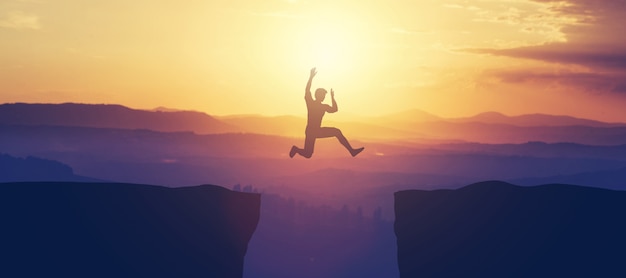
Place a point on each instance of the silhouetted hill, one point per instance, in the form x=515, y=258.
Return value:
x=294, y=127
x=495, y=229
x=540, y=149
x=610, y=179
x=124, y=230
x=412, y=126
x=14, y=169
x=534, y=120
x=417, y=125
x=413, y=115
x=165, y=109
x=277, y=125
x=494, y=133
x=110, y=116
x=184, y=158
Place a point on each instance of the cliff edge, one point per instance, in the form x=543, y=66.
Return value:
x=495, y=229
x=59, y=229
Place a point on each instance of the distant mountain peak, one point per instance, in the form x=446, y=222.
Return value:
x=165, y=109
x=491, y=114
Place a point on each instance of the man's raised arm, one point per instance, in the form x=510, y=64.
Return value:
x=307, y=91
x=334, y=107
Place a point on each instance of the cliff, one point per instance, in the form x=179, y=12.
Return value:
x=495, y=229
x=124, y=230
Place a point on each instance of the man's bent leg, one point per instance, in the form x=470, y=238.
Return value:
x=335, y=132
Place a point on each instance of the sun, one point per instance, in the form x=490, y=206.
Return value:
x=346, y=51
x=329, y=46
x=333, y=46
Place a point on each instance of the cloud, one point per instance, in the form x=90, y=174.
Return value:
x=589, y=82
x=594, y=40
x=590, y=56
x=598, y=20
x=20, y=21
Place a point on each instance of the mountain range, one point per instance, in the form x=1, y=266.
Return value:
x=110, y=116
x=534, y=120
x=309, y=199
x=414, y=126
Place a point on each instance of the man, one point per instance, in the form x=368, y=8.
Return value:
x=314, y=129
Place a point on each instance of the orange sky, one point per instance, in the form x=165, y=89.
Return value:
x=451, y=58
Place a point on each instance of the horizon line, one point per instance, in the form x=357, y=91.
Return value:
x=349, y=115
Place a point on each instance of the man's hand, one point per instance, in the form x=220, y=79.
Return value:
x=313, y=73
x=332, y=93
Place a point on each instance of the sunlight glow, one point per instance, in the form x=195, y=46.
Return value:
x=340, y=47
x=330, y=46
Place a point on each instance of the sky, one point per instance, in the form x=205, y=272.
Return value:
x=451, y=58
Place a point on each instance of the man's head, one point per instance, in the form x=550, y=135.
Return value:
x=320, y=94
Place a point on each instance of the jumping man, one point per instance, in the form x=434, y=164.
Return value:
x=314, y=129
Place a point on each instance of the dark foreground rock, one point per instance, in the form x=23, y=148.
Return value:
x=124, y=230
x=495, y=229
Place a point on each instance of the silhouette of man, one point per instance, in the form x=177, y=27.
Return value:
x=314, y=129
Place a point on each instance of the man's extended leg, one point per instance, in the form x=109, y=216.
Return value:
x=335, y=132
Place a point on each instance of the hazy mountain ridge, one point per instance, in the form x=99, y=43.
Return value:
x=110, y=116
x=537, y=149
x=274, y=125
x=413, y=126
x=419, y=126
x=222, y=157
x=16, y=169
x=533, y=120
x=610, y=179
x=294, y=127
x=184, y=158
x=492, y=133
x=413, y=115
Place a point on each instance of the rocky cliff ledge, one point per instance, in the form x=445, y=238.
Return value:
x=124, y=230
x=495, y=229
